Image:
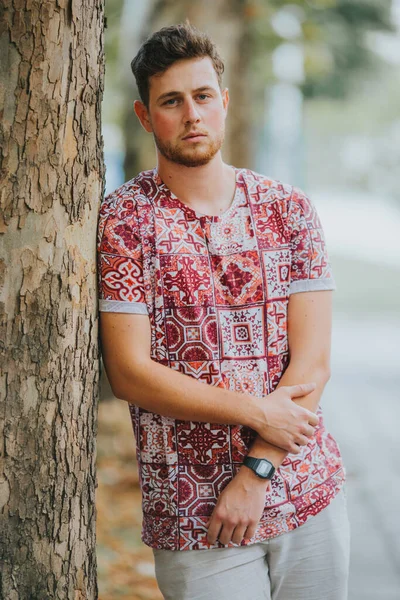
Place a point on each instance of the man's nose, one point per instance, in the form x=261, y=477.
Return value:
x=191, y=113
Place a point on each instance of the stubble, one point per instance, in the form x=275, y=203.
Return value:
x=194, y=156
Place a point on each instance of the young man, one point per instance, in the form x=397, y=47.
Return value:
x=215, y=292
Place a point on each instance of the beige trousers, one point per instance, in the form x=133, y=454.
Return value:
x=308, y=563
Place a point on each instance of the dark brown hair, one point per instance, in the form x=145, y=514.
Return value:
x=168, y=45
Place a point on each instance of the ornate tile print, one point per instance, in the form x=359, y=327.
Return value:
x=276, y=265
x=157, y=440
x=192, y=333
x=277, y=327
x=216, y=291
x=199, y=485
x=159, y=485
x=246, y=376
x=242, y=332
x=176, y=235
x=202, y=443
x=237, y=279
x=186, y=280
x=241, y=440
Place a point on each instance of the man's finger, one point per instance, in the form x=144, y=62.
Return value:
x=302, y=440
x=294, y=449
x=308, y=430
x=214, y=528
x=312, y=419
x=226, y=534
x=250, y=531
x=238, y=533
x=301, y=389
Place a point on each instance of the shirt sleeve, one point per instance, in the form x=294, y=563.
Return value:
x=310, y=266
x=119, y=258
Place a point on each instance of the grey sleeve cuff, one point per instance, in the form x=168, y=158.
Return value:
x=138, y=308
x=312, y=285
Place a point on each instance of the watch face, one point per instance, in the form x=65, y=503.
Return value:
x=263, y=468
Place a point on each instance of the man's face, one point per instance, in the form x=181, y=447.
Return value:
x=186, y=99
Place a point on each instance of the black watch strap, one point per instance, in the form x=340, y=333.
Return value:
x=253, y=463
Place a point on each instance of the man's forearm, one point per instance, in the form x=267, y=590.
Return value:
x=262, y=448
x=164, y=391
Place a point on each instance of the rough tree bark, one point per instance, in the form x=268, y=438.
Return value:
x=51, y=183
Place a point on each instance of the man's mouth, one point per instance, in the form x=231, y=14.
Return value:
x=194, y=136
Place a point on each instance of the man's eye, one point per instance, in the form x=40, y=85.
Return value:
x=204, y=96
x=168, y=102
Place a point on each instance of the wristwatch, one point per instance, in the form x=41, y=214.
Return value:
x=262, y=467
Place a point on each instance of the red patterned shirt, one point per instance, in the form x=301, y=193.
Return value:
x=216, y=291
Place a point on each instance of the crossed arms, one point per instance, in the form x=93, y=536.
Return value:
x=283, y=423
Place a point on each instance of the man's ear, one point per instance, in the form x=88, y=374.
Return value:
x=143, y=115
x=225, y=98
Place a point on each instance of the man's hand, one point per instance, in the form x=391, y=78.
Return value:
x=284, y=423
x=239, y=508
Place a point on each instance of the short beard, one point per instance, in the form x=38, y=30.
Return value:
x=176, y=155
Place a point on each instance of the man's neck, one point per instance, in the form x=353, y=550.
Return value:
x=208, y=189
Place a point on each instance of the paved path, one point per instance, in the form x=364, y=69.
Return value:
x=361, y=404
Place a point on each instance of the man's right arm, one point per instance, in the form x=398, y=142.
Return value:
x=136, y=378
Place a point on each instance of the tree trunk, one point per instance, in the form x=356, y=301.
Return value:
x=51, y=175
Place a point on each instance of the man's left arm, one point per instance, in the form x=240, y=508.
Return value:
x=241, y=503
